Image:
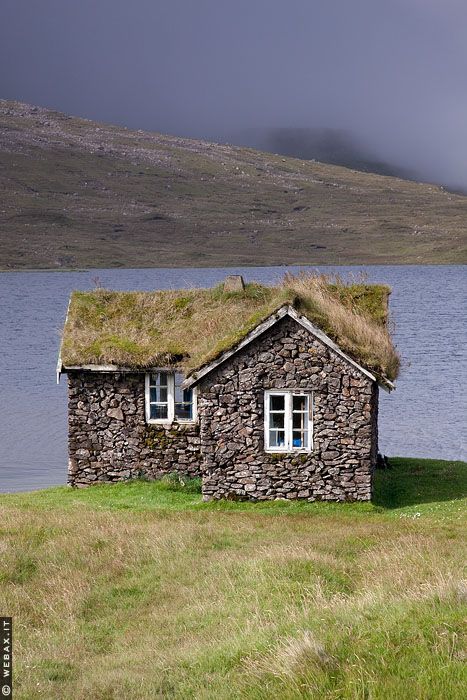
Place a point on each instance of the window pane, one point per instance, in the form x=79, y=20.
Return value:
x=159, y=379
x=184, y=411
x=299, y=420
x=178, y=390
x=300, y=438
x=183, y=395
x=300, y=403
x=276, y=438
x=158, y=394
x=158, y=411
x=276, y=420
x=183, y=399
x=277, y=403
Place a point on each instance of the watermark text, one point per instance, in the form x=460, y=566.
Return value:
x=6, y=665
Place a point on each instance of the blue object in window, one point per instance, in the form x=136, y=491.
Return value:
x=297, y=442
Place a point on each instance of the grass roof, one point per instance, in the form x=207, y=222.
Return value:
x=188, y=328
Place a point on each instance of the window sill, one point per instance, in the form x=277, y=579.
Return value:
x=297, y=451
x=168, y=423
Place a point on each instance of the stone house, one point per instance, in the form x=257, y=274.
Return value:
x=270, y=408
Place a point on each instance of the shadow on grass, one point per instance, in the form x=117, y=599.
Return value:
x=415, y=481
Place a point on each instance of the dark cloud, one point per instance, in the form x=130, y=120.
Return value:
x=393, y=72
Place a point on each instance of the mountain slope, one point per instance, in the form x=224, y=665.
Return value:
x=332, y=146
x=76, y=193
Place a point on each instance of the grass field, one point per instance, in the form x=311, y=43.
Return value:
x=141, y=590
x=78, y=193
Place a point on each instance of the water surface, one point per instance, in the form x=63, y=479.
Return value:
x=425, y=417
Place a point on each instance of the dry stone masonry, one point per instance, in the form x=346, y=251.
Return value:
x=231, y=410
x=109, y=439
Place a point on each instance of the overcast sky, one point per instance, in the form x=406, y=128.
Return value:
x=392, y=71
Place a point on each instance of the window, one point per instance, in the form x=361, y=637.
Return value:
x=183, y=400
x=159, y=396
x=166, y=401
x=288, y=421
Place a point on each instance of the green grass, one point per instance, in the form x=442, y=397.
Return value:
x=410, y=487
x=76, y=193
x=141, y=590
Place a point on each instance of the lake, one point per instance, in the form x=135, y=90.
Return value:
x=425, y=417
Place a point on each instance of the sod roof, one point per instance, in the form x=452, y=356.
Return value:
x=191, y=327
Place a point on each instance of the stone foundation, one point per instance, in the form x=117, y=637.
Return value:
x=109, y=439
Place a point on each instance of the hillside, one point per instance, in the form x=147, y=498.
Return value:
x=76, y=193
x=332, y=146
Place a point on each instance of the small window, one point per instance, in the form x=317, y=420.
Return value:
x=183, y=400
x=288, y=421
x=167, y=401
x=159, y=396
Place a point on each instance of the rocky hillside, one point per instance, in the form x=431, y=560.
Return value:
x=76, y=193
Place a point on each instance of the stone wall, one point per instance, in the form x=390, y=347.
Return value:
x=231, y=413
x=109, y=439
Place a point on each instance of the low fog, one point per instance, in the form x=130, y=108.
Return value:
x=386, y=77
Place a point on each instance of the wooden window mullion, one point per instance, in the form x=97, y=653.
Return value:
x=171, y=396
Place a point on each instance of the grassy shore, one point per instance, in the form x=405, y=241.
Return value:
x=142, y=591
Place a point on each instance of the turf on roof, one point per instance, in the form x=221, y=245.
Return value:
x=188, y=328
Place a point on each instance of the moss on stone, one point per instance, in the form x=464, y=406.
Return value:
x=156, y=438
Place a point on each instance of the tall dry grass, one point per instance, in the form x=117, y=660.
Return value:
x=117, y=603
x=184, y=327
x=354, y=330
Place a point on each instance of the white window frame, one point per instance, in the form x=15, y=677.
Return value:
x=288, y=420
x=170, y=401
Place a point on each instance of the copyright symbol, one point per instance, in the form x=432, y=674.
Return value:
x=6, y=690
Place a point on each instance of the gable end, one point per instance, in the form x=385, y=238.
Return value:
x=194, y=378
